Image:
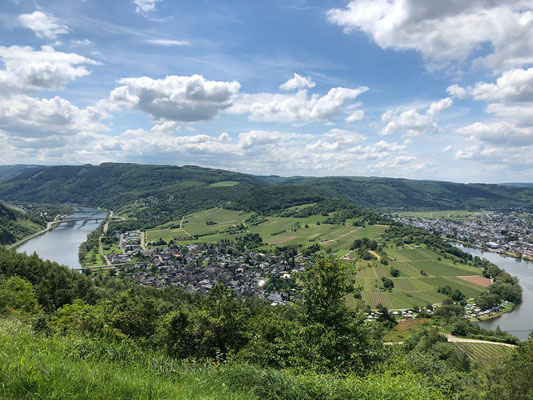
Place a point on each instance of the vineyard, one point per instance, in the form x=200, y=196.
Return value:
x=484, y=352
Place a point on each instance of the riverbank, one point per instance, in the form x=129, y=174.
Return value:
x=61, y=239
x=516, y=256
x=16, y=245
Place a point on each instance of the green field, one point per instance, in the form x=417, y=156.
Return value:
x=484, y=352
x=411, y=287
x=212, y=225
x=224, y=184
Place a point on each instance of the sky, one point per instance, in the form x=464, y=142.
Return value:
x=423, y=89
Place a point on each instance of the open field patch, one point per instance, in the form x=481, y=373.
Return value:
x=478, y=280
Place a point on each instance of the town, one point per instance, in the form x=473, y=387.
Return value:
x=509, y=233
x=198, y=267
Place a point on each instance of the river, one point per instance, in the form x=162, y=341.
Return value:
x=61, y=244
x=519, y=322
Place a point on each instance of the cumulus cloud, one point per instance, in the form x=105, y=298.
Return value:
x=499, y=133
x=46, y=69
x=44, y=25
x=28, y=117
x=298, y=82
x=515, y=85
x=337, y=139
x=413, y=123
x=176, y=98
x=297, y=107
x=145, y=6
x=446, y=31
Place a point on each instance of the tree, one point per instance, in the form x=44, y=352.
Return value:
x=385, y=317
x=17, y=294
x=337, y=336
x=325, y=287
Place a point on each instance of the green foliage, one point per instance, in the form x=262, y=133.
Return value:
x=512, y=378
x=33, y=366
x=54, y=285
x=17, y=294
x=274, y=199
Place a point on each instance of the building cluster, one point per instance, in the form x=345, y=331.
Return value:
x=507, y=233
x=473, y=311
x=130, y=247
x=198, y=267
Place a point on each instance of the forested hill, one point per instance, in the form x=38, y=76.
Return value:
x=395, y=193
x=14, y=225
x=115, y=185
x=9, y=171
x=170, y=190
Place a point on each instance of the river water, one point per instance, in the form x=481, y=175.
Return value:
x=519, y=322
x=61, y=244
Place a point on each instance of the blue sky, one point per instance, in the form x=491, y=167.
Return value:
x=405, y=88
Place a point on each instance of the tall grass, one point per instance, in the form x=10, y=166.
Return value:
x=36, y=367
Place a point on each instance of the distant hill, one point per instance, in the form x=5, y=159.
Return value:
x=519, y=184
x=153, y=193
x=157, y=193
x=394, y=193
x=9, y=171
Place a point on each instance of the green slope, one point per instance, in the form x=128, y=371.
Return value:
x=161, y=192
x=15, y=225
x=392, y=193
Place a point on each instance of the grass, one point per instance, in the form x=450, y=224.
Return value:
x=36, y=367
x=93, y=258
x=484, y=352
x=224, y=184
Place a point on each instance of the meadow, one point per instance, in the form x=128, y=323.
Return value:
x=422, y=271
x=34, y=366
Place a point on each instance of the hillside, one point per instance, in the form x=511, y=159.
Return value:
x=9, y=171
x=155, y=194
x=14, y=225
x=395, y=193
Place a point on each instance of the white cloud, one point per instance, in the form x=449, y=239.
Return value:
x=176, y=98
x=515, y=85
x=498, y=133
x=355, y=116
x=439, y=106
x=444, y=31
x=79, y=43
x=337, y=139
x=411, y=122
x=297, y=107
x=457, y=91
x=145, y=6
x=26, y=117
x=168, y=42
x=298, y=82
x=447, y=149
x=45, y=69
x=44, y=25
